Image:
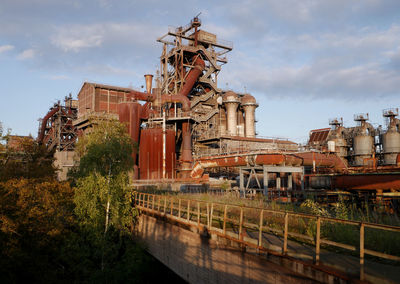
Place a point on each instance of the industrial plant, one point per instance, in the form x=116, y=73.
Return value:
x=190, y=131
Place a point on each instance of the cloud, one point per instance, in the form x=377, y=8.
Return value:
x=5, y=48
x=26, y=54
x=58, y=77
x=349, y=64
x=305, y=49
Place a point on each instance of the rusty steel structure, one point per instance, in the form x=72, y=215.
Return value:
x=187, y=129
x=56, y=129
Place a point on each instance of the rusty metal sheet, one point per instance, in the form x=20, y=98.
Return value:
x=151, y=153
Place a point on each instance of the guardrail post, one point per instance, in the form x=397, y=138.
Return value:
x=241, y=225
x=208, y=215
x=188, y=211
x=154, y=201
x=198, y=213
x=172, y=206
x=179, y=208
x=318, y=240
x=159, y=203
x=225, y=212
x=211, y=215
x=165, y=204
x=362, y=251
x=285, y=233
x=261, y=228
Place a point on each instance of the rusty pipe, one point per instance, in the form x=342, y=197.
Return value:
x=44, y=123
x=236, y=161
x=192, y=77
x=140, y=96
x=177, y=99
x=322, y=159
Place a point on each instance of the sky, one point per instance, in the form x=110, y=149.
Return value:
x=304, y=61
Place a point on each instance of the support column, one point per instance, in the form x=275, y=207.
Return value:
x=241, y=180
x=278, y=184
x=290, y=187
x=265, y=175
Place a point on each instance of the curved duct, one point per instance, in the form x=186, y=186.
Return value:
x=44, y=123
x=177, y=99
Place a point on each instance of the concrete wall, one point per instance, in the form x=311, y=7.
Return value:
x=64, y=160
x=198, y=259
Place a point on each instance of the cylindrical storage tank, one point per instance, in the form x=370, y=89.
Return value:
x=249, y=105
x=231, y=101
x=391, y=147
x=151, y=154
x=363, y=146
x=129, y=114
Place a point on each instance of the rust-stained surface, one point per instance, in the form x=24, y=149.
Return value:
x=322, y=160
x=317, y=136
x=243, y=160
x=372, y=181
x=100, y=98
x=129, y=114
x=151, y=153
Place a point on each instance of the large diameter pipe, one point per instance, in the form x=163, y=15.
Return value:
x=44, y=122
x=192, y=77
x=331, y=160
x=236, y=161
x=177, y=99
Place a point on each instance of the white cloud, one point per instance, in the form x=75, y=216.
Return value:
x=4, y=48
x=26, y=54
x=75, y=39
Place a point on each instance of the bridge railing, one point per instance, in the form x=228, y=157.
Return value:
x=248, y=225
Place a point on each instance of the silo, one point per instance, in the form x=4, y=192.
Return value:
x=231, y=102
x=363, y=140
x=363, y=146
x=391, y=146
x=391, y=139
x=249, y=105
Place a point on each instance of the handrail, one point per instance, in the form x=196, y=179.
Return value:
x=223, y=213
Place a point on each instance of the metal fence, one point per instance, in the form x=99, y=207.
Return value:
x=249, y=225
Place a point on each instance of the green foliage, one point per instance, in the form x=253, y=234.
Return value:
x=107, y=149
x=51, y=232
x=91, y=196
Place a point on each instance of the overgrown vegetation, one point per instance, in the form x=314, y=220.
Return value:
x=379, y=240
x=52, y=232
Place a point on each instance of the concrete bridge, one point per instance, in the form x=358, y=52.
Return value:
x=210, y=242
